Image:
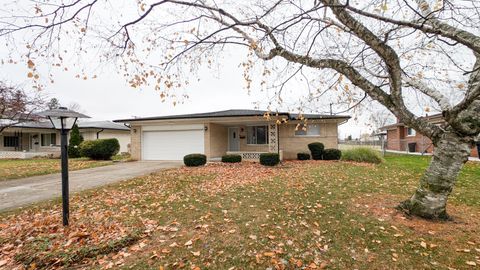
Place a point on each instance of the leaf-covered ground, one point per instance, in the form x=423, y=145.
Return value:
x=300, y=215
x=19, y=168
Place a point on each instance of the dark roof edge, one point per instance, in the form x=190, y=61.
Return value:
x=94, y=127
x=186, y=116
x=32, y=127
x=173, y=117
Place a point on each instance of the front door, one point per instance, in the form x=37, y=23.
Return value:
x=233, y=139
x=34, y=142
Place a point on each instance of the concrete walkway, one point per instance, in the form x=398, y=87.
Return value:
x=21, y=192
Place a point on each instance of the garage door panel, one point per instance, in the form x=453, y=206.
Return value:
x=172, y=145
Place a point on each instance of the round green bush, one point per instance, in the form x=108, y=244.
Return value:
x=195, y=160
x=362, y=154
x=269, y=159
x=102, y=149
x=231, y=158
x=316, y=148
x=303, y=156
x=332, y=154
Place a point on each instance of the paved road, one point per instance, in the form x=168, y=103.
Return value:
x=20, y=192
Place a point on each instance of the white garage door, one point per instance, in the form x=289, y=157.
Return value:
x=172, y=144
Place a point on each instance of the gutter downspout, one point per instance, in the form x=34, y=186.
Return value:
x=98, y=132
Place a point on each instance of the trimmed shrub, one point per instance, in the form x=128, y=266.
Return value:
x=195, y=160
x=269, y=159
x=231, y=158
x=73, y=144
x=362, y=154
x=316, y=149
x=102, y=149
x=332, y=154
x=303, y=156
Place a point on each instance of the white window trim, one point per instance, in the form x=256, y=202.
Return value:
x=312, y=136
x=257, y=144
x=413, y=134
x=51, y=145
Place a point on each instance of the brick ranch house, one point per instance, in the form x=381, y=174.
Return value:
x=245, y=132
x=403, y=138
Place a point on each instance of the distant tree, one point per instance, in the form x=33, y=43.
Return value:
x=17, y=106
x=365, y=137
x=380, y=119
x=74, y=106
x=53, y=103
x=75, y=140
x=349, y=137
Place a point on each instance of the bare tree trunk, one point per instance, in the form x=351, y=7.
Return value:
x=430, y=198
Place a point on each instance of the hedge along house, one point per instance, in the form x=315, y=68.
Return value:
x=40, y=139
x=245, y=132
x=94, y=130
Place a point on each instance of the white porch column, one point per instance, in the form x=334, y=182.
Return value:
x=273, y=138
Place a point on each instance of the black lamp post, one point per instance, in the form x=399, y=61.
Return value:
x=63, y=119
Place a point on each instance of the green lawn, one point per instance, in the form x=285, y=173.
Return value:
x=300, y=215
x=19, y=168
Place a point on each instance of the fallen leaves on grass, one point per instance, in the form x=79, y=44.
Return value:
x=228, y=175
x=382, y=206
x=111, y=219
x=305, y=215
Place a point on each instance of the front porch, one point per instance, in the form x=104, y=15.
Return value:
x=249, y=140
x=25, y=144
x=251, y=156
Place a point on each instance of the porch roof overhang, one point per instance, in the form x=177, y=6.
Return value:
x=391, y=127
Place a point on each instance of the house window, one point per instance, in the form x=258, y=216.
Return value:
x=49, y=139
x=411, y=132
x=10, y=141
x=257, y=135
x=307, y=130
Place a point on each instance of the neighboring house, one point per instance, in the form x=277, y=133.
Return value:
x=403, y=138
x=106, y=130
x=32, y=139
x=245, y=132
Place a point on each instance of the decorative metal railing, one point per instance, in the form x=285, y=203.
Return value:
x=250, y=156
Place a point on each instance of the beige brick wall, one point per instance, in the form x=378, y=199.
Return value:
x=216, y=140
x=291, y=144
x=206, y=140
x=135, y=144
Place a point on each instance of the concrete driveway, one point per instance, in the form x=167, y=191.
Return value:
x=21, y=192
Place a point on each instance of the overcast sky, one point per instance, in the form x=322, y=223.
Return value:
x=109, y=97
